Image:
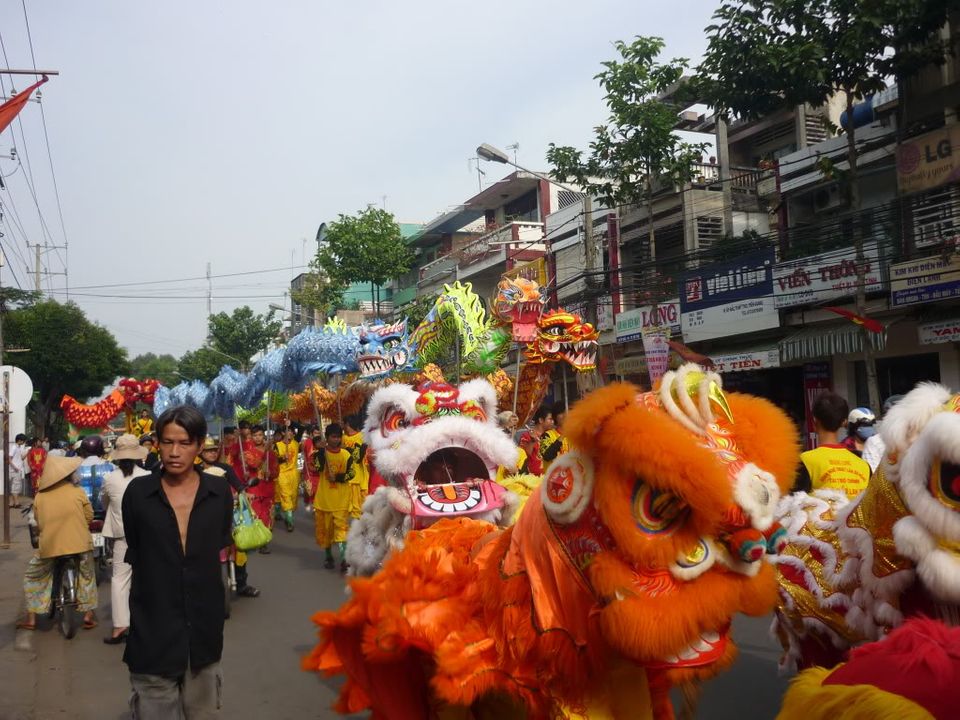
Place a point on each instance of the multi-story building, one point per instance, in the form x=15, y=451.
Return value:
x=489, y=234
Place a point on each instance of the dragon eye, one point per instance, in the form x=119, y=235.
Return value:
x=390, y=344
x=945, y=483
x=656, y=512
x=556, y=331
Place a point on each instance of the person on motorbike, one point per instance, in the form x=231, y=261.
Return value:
x=63, y=514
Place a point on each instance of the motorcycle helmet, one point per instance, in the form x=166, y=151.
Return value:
x=91, y=445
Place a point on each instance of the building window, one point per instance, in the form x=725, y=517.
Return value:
x=936, y=216
x=709, y=230
x=523, y=209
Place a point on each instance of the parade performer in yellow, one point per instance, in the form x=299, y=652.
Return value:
x=360, y=482
x=143, y=425
x=288, y=482
x=619, y=579
x=332, y=502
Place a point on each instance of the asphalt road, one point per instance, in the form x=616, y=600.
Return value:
x=46, y=677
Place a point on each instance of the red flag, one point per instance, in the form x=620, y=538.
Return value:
x=690, y=355
x=870, y=324
x=11, y=108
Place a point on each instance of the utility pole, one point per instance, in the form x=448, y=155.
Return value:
x=6, y=434
x=36, y=268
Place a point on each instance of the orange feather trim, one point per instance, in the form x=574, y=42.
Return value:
x=767, y=436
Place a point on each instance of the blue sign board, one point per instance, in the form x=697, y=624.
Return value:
x=926, y=280
x=747, y=277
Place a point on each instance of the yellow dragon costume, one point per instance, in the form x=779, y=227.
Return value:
x=618, y=580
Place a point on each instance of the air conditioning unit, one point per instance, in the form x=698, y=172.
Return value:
x=828, y=198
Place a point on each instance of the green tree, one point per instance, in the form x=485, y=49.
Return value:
x=416, y=310
x=320, y=292
x=14, y=298
x=638, y=146
x=366, y=247
x=68, y=354
x=240, y=335
x=200, y=364
x=158, y=367
x=763, y=55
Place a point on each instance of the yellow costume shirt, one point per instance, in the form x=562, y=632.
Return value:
x=835, y=468
x=333, y=496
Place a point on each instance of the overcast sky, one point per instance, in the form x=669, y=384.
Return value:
x=184, y=133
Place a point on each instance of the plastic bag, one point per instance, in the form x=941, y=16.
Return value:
x=249, y=532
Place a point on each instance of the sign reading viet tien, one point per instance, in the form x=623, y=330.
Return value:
x=738, y=362
x=825, y=277
x=630, y=323
x=929, y=160
x=926, y=280
x=939, y=332
x=729, y=299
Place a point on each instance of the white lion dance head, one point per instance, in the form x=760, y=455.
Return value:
x=439, y=448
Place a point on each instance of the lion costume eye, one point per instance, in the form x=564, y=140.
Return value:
x=657, y=512
x=945, y=484
x=394, y=420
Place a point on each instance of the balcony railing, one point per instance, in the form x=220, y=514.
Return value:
x=496, y=244
x=742, y=179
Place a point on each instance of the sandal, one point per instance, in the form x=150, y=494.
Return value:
x=24, y=625
x=90, y=624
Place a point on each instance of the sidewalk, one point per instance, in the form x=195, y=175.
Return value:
x=17, y=657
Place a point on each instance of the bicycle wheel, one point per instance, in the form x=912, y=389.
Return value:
x=67, y=600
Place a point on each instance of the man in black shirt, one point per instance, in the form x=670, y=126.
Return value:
x=176, y=522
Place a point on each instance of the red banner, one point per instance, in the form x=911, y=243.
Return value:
x=11, y=108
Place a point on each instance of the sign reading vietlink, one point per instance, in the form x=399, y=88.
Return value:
x=738, y=362
x=729, y=299
x=926, y=280
x=939, y=332
x=630, y=323
x=825, y=277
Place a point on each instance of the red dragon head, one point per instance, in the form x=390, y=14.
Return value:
x=563, y=336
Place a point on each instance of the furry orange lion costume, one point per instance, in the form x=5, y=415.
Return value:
x=618, y=580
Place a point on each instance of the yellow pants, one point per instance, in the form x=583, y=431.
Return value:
x=331, y=526
x=286, y=490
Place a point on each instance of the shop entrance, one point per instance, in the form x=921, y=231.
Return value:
x=781, y=386
x=897, y=376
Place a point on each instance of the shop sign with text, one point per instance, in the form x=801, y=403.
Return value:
x=939, y=332
x=635, y=365
x=824, y=277
x=729, y=299
x=630, y=323
x=739, y=362
x=929, y=160
x=605, y=314
x=926, y=280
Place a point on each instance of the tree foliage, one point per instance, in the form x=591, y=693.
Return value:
x=159, y=367
x=416, y=310
x=366, y=247
x=320, y=293
x=241, y=334
x=638, y=144
x=68, y=354
x=763, y=55
x=201, y=364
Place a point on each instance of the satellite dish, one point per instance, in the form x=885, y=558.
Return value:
x=21, y=387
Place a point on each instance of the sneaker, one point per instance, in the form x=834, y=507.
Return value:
x=328, y=563
x=265, y=550
x=343, y=567
x=247, y=591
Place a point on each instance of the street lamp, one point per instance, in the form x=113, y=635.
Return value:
x=489, y=152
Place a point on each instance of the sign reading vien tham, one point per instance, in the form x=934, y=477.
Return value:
x=826, y=276
x=729, y=299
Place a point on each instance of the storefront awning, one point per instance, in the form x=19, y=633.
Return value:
x=827, y=339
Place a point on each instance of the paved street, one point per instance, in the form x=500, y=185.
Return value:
x=47, y=677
